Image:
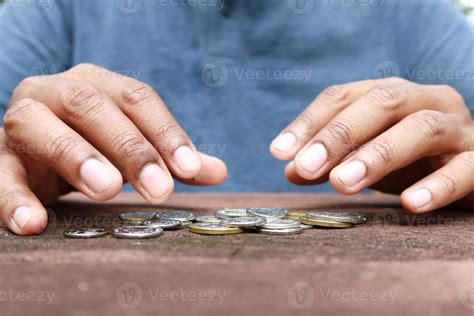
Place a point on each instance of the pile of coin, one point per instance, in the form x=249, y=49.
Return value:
x=270, y=221
x=138, y=225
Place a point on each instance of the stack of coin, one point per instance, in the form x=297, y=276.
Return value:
x=271, y=221
x=231, y=213
x=214, y=229
x=281, y=227
x=136, y=218
x=333, y=219
x=268, y=212
x=226, y=222
x=233, y=221
x=184, y=217
x=207, y=219
x=296, y=215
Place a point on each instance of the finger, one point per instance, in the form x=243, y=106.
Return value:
x=425, y=133
x=20, y=209
x=147, y=110
x=449, y=184
x=34, y=125
x=214, y=171
x=330, y=102
x=293, y=176
x=95, y=117
x=373, y=113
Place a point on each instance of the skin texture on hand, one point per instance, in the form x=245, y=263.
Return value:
x=390, y=134
x=89, y=129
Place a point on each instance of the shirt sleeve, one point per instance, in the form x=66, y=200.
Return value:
x=35, y=40
x=437, y=45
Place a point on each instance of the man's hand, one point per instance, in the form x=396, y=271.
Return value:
x=90, y=129
x=389, y=134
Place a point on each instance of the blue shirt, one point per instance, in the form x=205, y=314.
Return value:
x=235, y=73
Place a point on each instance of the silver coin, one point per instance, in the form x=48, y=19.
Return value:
x=287, y=231
x=137, y=232
x=231, y=213
x=208, y=219
x=85, y=233
x=182, y=216
x=304, y=226
x=243, y=222
x=353, y=218
x=281, y=224
x=137, y=216
x=185, y=224
x=163, y=223
x=268, y=212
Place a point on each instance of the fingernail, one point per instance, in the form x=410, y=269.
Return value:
x=352, y=173
x=313, y=158
x=285, y=142
x=22, y=215
x=186, y=159
x=420, y=198
x=154, y=180
x=96, y=175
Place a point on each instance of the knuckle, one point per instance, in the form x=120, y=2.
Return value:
x=336, y=93
x=430, y=123
x=170, y=136
x=452, y=94
x=395, y=81
x=128, y=144
x=26, y=85
x=305, y=122
x=448, y=183
x=82, y=71
x=138, y=94
x=16, y=112
x=83, y=99
x=84, y=67
x=61, y=148
x=467, y=158
x=341, y=131
x=384, y=150
x=9, y=197
x=388, y=96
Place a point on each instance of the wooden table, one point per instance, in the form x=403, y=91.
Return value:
x=396, y=264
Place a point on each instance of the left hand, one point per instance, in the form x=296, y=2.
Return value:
x=392, y=135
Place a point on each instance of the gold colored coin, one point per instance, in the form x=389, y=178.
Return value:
x=324, y=223
x=137, y=217
x=296, y=214
x=214, y=229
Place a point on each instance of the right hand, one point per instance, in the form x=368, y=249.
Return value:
x=89, y=129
